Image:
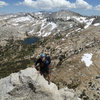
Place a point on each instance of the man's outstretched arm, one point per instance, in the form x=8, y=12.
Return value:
x=34, y=65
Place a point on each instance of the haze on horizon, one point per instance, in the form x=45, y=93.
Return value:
x=84, y=7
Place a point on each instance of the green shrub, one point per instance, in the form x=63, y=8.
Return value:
x=81, y=25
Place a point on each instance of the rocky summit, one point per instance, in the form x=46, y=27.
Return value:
x=72, y=41
x=29, y=85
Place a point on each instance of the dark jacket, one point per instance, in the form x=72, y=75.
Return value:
x=44, y=66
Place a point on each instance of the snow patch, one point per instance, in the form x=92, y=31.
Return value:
x=68, y=18
x=80, y=19
x=63, y=39
x=86, y=58
x=31, y=31
x=46, y=34
x=68, y=34
x=15, y=24
x=38, y=13
x=78, y=29
x=45, y=25
x=71, y=25
x=89, y=23
x=21, y=19
x=53, y=25
x=96, y=24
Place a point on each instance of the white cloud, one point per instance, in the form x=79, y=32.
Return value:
x=82, y=4
x=2, y=3
x=47, y=4
x=97, y=7
x=55, y=4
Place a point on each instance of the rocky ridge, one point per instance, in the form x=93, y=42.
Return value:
x=28, y=85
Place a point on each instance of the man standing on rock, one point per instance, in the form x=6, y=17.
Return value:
x=44, y=66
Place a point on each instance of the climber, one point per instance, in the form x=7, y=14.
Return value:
x=44, y=66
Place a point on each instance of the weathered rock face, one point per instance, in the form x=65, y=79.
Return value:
x=28, y=85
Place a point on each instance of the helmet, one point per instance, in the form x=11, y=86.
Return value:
x=43, y=55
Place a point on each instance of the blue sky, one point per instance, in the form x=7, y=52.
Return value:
x=85, y=7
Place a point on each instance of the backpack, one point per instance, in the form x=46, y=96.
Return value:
x=49, y=59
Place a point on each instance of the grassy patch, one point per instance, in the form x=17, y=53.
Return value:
x=15, y=56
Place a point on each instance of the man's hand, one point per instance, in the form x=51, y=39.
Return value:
x=38, y=72
x=33, y=66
